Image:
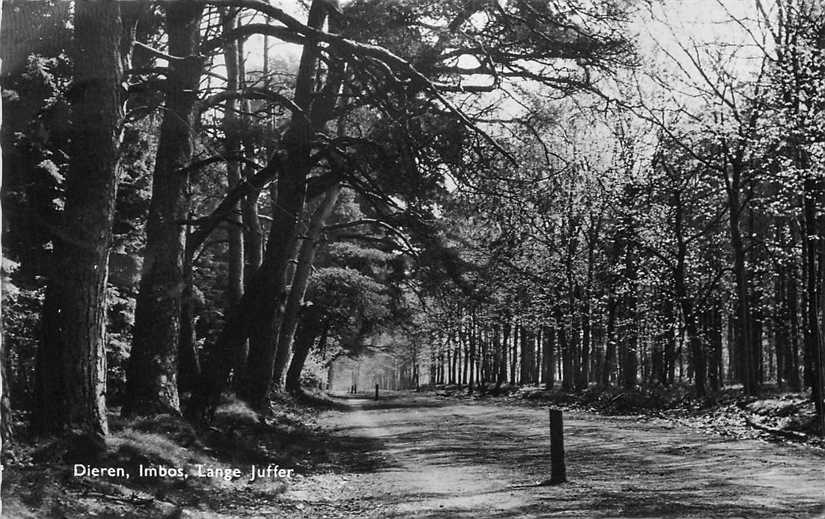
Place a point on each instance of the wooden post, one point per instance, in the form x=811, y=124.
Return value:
x=376, y=391
x=558, y=468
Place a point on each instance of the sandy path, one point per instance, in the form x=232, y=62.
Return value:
x=434, y=458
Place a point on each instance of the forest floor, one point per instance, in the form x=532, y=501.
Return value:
x=421, y=455
x=776, y=414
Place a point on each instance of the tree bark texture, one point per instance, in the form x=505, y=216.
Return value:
x=232, y=145
x=71, y=360
x=306, y=258
x=308, y=330
x=152, y=372
x=256, y=316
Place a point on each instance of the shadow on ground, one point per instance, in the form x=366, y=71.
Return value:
x=479, y=460
x=43, y=485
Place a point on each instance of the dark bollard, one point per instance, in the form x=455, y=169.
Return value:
x=557, y=466
x=376, y=391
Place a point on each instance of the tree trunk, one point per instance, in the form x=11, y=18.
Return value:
x=792, y=367
x=151, y=377
x=232, y=145
x=564, y=351
x=472, y=345
x=257, y=314
x=71, y=360
x=584, y=375
x=714, y=334
x=610, y=341
x=6, y=428
x=810, y=248
x=685, y=301
x=512, y=350
x=253, y=232
x=537, y=357
x=265, y=319
x=306, y=257
x=781, y=341
x=696, y=348
x=524, y=364
x=505, y=341
x=465, y=354
x=500, y=347
x=549, y=337
x=189, y=367
x=305, y=335
x=630, y=341
x=742, y=331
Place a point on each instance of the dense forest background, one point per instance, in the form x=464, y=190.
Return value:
x=213, y=197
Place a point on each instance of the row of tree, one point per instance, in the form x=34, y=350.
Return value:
x=656, y=240
x=275, y=209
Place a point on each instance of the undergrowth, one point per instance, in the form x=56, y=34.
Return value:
x=773, y=414
x=39, y=480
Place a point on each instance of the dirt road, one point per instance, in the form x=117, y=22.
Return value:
x=425, y=457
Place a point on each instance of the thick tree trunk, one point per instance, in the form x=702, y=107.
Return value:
x=152, y=385
x=71, y=360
